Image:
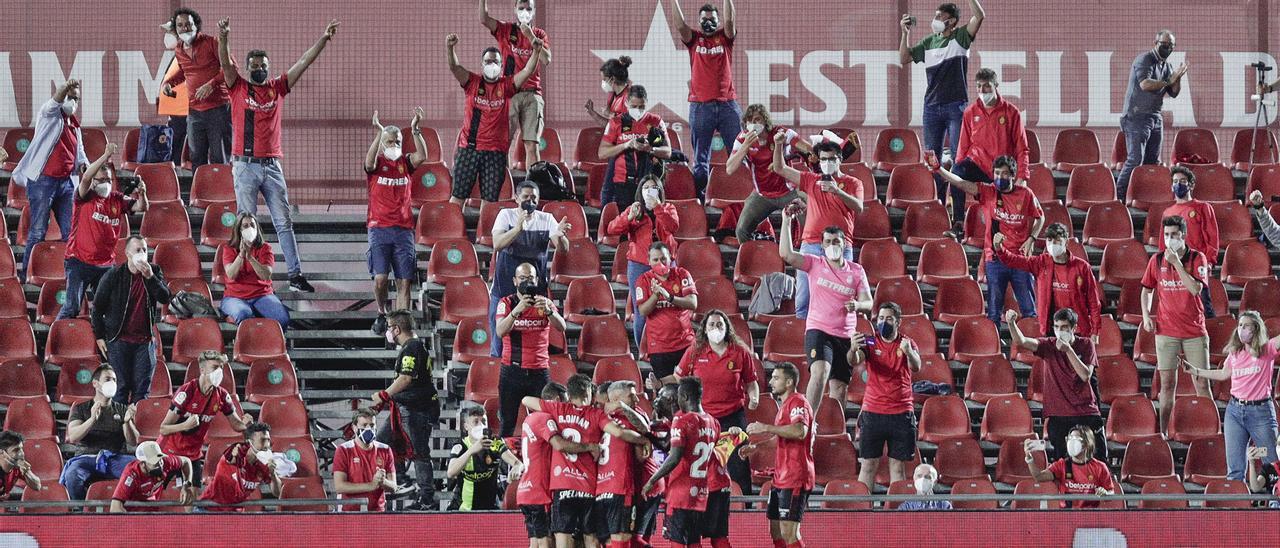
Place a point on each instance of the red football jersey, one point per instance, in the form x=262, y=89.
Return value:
x=484, y=114
x=759, y=160
x=660, y=429
x=1081, y=479
x=138, y=486
x=667, y=328
x=1179, y=313
x=1010, y=213
x=711, y=72
x=527, y=345
x=360, y=465
x=236, y=477
x=825, y=208
x=535, y=451
x=888, y=375
x=687, y=485
x=616, y=470
x=793, y=468
x=9, y=480
x=189, y=400
x=623, y=129
x=389, y=192
x=581, y=425
x=95, y=226
x=516, y=50
x=260, y=108
x=724, y=377
x=247, y=284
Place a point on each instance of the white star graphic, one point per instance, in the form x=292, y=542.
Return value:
x=661, y=66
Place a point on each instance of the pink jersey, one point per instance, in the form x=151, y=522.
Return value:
x=1250, y=376
x=829, y=289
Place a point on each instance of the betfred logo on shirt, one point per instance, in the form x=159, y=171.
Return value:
x=105, y=219
x=715, y=50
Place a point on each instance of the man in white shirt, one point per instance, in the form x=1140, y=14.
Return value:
x=521, y=234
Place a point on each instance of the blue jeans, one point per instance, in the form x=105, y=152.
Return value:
x=134, y=364
x=802, y=279
x=706, y=119
x=634, y=271
x=1244, y=423
x=48, y=194
x=269, y=179
x=999, y=277
x=266, y=306
x=79, y=277
x=82, y=470
x=1143, y=134
x=939, y=120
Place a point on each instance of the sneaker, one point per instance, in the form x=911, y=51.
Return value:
x=380, y=325
x=404, y=490
x=417, y=507
x=956, y=233
x=299, y=283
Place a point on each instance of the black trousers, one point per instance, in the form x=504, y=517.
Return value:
x=514, y=384
x=1057, y=428
x=419, y=424
x=739, y=469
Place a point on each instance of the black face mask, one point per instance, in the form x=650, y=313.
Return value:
x=529, y=205
x=709, y=25
x=527, y=288
x=156, y=472
x=1164, y=51
x=258, y=76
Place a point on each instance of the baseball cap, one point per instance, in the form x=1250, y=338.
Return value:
x=149, y=452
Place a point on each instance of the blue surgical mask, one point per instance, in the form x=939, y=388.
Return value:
x=886, y=330
x=366, y=435
x=1004, y=184
x=1181, y=190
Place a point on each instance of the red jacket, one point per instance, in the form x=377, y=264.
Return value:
x=640, y=232
x=1086, y=300
x=1202, y=227
x=988, y=133
x=199, y=66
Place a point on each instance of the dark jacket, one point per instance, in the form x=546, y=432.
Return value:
x=111, y=301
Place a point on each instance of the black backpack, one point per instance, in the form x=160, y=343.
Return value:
x=186, y=305
x=550, y=181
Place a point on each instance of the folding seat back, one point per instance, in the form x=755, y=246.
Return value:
x=1006, y=417
x=165, y=222
x=452, y=258
x=287, y=416
x=910, y=184
x=270, y=378
x=32, y=417
x=471, y=339
x=889, y=261
x=603, y=337
x=258, y=338
x=944, y=418
x=438, y=221
x=1075, y=147
x=212, y=184
x=1090, y=184
x=895, y=147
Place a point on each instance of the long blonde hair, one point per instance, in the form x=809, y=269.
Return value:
x=1259, y=335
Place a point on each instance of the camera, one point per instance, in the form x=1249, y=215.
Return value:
x=1261, y=67
x=486, y=434
x=128, y=186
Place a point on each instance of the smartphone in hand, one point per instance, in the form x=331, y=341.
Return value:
x=931, y=160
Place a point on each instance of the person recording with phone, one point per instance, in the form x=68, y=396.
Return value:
x=1069, y=397
x=1078, y=474
x=630, y=142
x=521, y=234
x=474, y=463
x=524, y=322
x=648, y=221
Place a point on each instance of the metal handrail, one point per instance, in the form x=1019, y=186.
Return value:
x=361, y=502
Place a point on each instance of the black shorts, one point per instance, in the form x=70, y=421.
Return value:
x=613, y=515
x=664, y=363
x=820, y=346
x=787, y=504
x=487, y=167
x=571, y=513
x=647, y=516
x=899, y=431
x=715, y=520
x=537, y=520
x=683, y=526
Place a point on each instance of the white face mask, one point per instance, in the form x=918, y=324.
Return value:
x=636, y=113
x=1065, y=336
x=102, y=189
x=170, y=41
x=650, y=194
x=1074, y=447
x=606, y=87
x=716, y=336
x=215, y=377
x=937, y=25
x=1175, y=244
x=524, y=16
x=108, y=389
x=477, y=432
x=391, y=338
x=249, y=234
x=756, y=128
x=833, y=252
x=264, y=456
x=187, y=37
x=987, y=98
x=69, y=107
x=392, y=153
x=139, y=257
x=924, y=485
x=829, y=167
x=491, y=71
x=1055, y=249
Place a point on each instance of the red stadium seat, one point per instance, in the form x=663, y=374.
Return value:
x=162, y=183
x=1129, y=307
x=287, y=416
x=610, y=212
x=1042, y=184
x=452, y=258
x=830, y=418
x=299, y=449
x=900, y=487
x=22, y=379
x=161, y=382
x=432, y=139
x=1220, y=329
x=74, y=380
x=585, y=294
x=902, y=291
x=482, y=379
x=53, y=233
x=150, y=414
x=195, y=335
x=439, y=221
x=1193, y=418
x=957, y=299
x=45, y=459
x=975, y=487
x=693, y=221
x=1214, y=183
x=784, y=341
x=562, y=367
x=1206, y=460
x=269, y=378
x=974, y=338
x=1234, y=222
x=595, y=182
x=763, y=459
x=603, y=337
x=1183, y=385
x=1226, y=487
x=989, y=378
x=1195, y=146
x=1261, y=294
x=617, y=369
x=922, y=332
x=311, y=487
x=8, y=268
x=577, y=217
x=1122, y=262
x=1146, y=458
x=1264, y=178
x=70, y=340
x=933, y=368
x=1030, y=487
x=179, y=260
x=16, y=142
x=215, y=228
x=1258, y=147
x=944, y=418
x=1106, y=223
x=861, y=172
x=471, y=339
x=16, y=339
x=925, y=222
x=700, y=257
x=910, y=184
x=1131, y=417
x=1117, y=377
x=716, y=293
x=32, y=417
x=959, y=459
x=431, y=182
x=488, y=217
x=47, y=262
x=165, y=222
x=13, y=302
x=1033, y=149
x=1152, y=231
x=1109, y=343
x=755, y=260
x=1011, y=464
x=258, y=338
x=464, y=298
x=548, y=148
x=1090, y=184
x=587, y=146
x=580, y=260
x=847, y=488
x=1148, y=185
x=975, y=227
x=49, y=492
x=1245, y=261
x=211, y=185
x=678, y=184
x=1075, y=147
x=95, y=142
x=724, y=189
x=190, y=285
x=1006, y=417
x=834, y=458
x=1055, y=212
x=940, y=260
x=896, y=147
x=1163, y=487
x=873, y=224
x=889, y=262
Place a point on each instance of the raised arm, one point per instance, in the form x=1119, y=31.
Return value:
x=86, y=180
x=779, y=165
x=785, y=249
x=1038, y=473
x=229, y=74
x=1015, y=333
x=968, y=187
x=677, y=20
x=904, y=41
x=170, y=424
x=1266, y=223
x=419, y=155
x=673, y=458
x=1024, y=263
x=371, y=157
x=485, y=19
x=624, y=434
x=571, y=447
x=451, y=57
x=975, y=22
x=730, y=18
x=295, y=72
x=60, y=94
x=529, y=68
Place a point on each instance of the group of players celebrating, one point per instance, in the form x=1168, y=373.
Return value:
x=596, y=467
